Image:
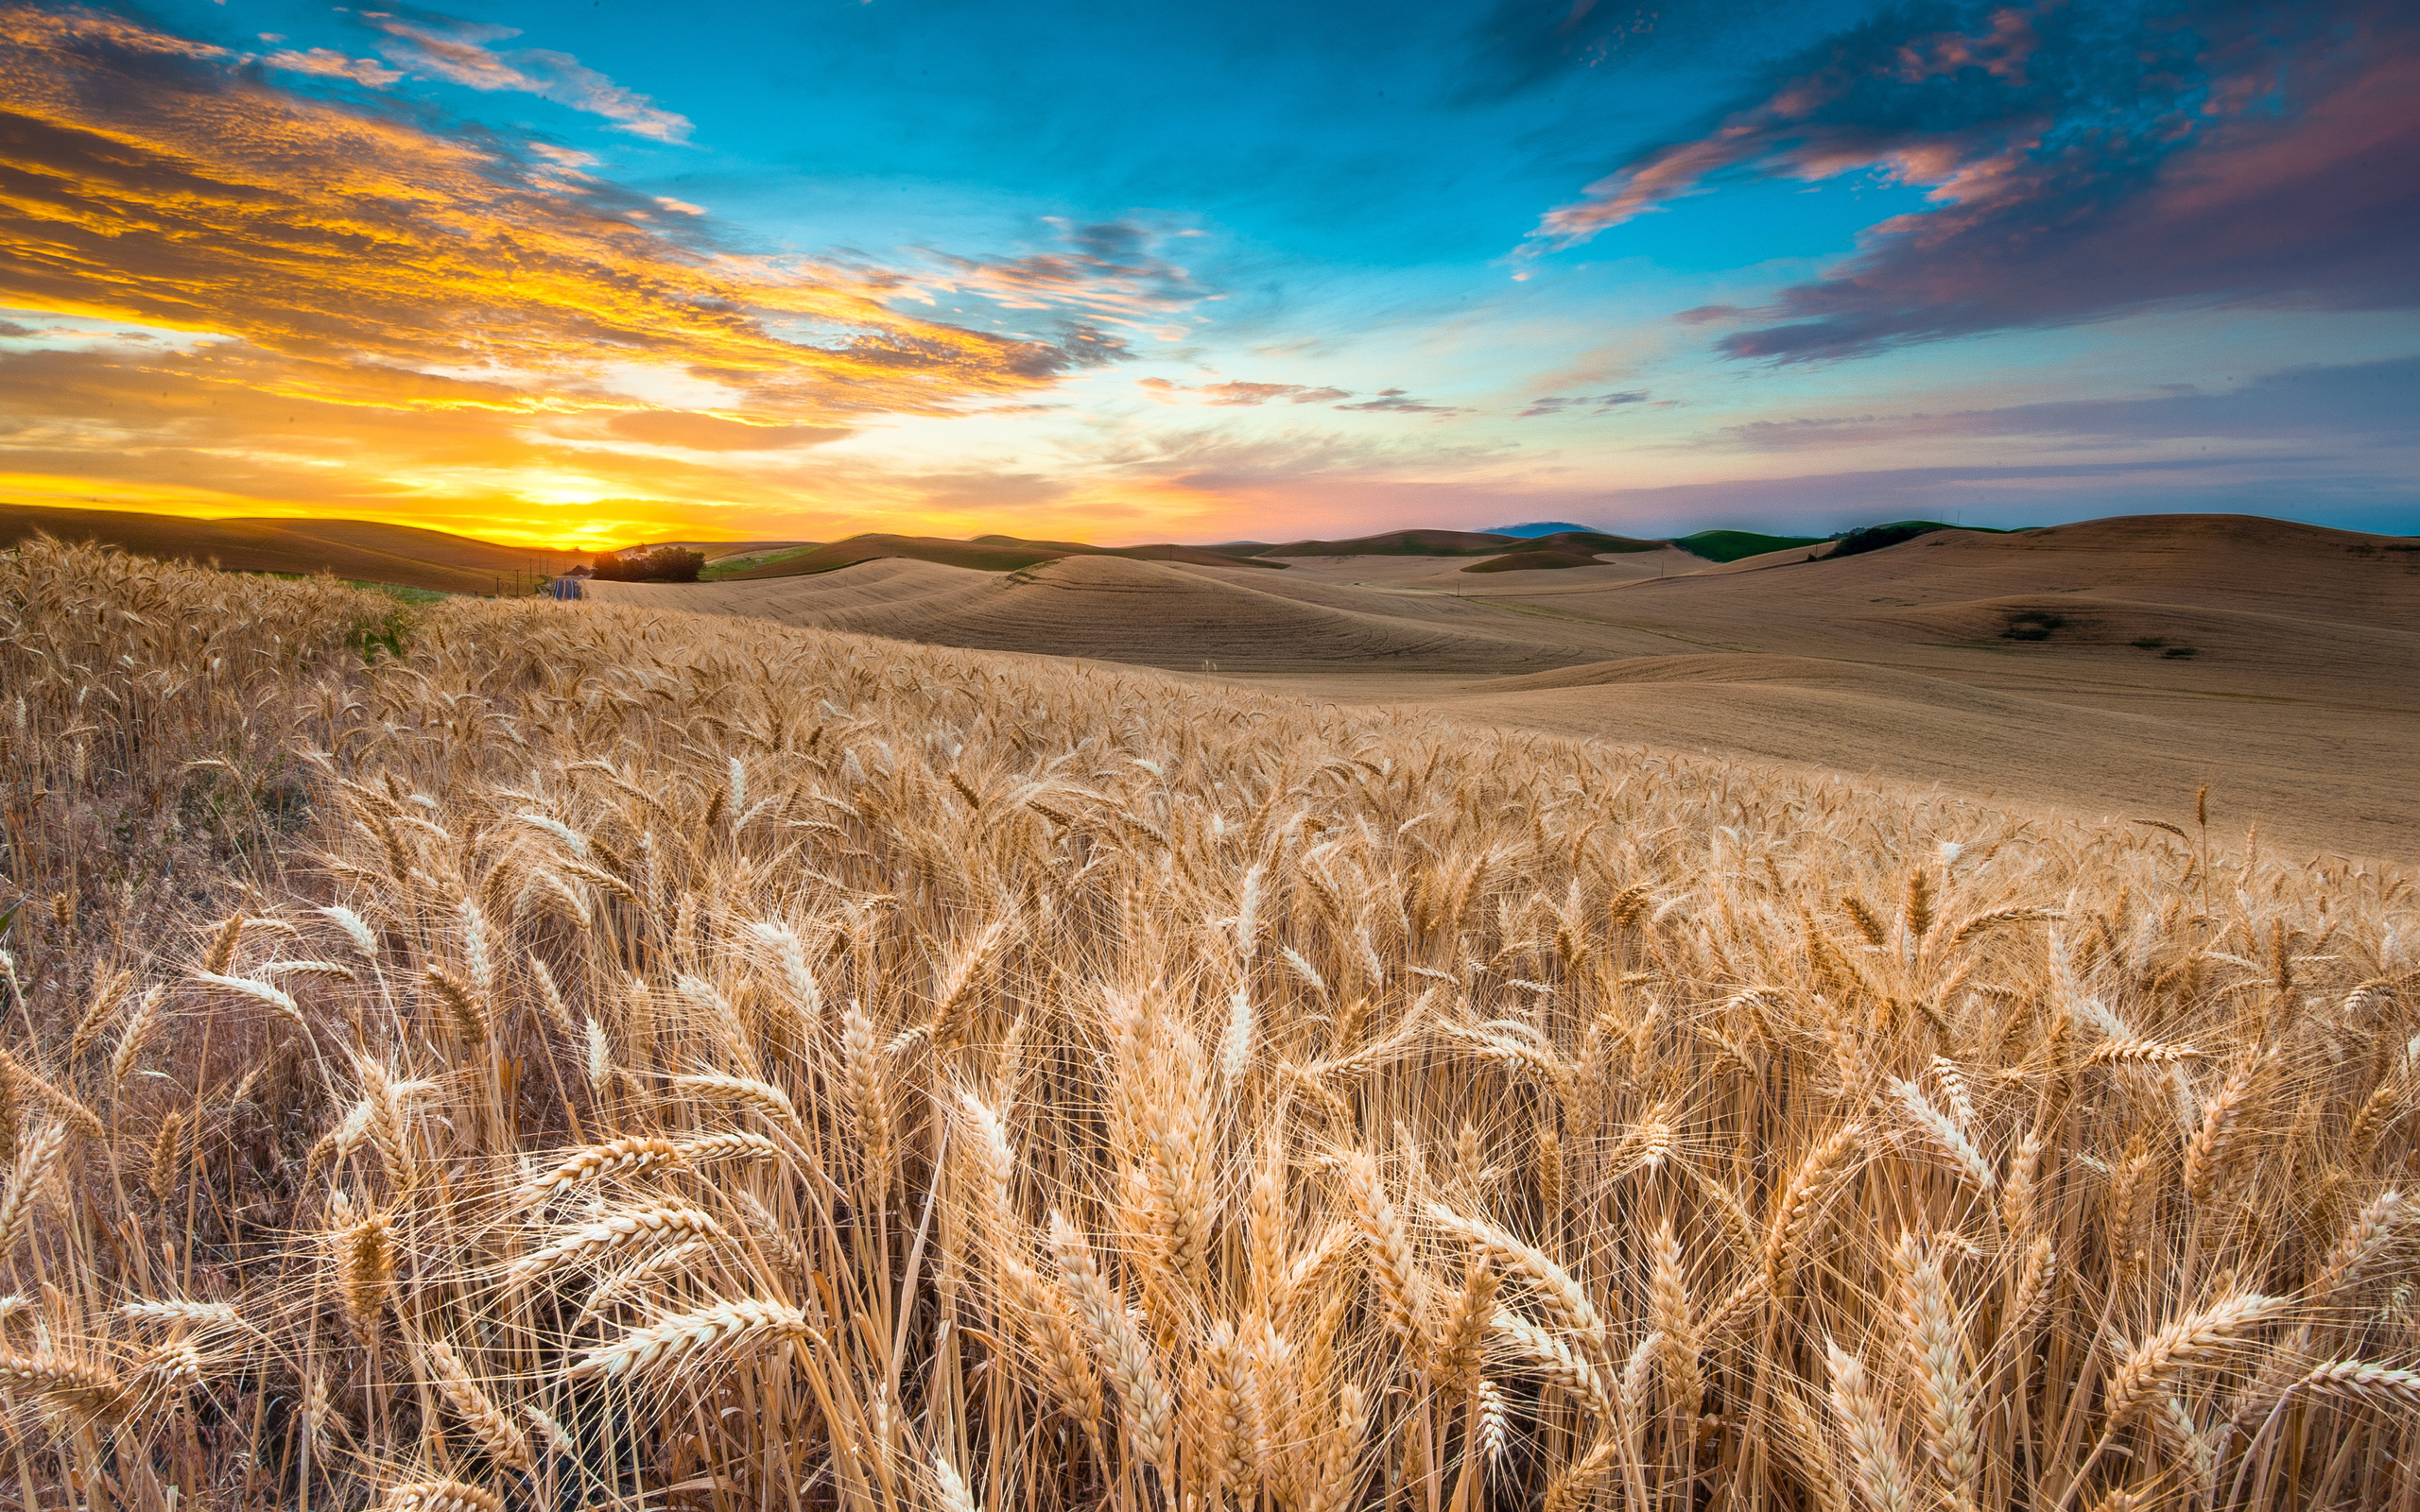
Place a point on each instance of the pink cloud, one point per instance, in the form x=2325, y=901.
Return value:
x=2083, y=163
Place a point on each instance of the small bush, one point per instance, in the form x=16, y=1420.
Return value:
x=2032, y=624
x=2178, y=652
x=651, y=565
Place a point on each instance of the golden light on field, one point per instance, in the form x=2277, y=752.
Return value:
x=1260, y=1103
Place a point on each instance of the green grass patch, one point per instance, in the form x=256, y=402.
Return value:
x=1731, y=545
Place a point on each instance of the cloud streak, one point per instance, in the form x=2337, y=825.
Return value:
x=326, y=62
x=1397, y=402
x=1584, y=403
x=1239, y=394
x=1110, y=271
x=2084, y=162
x=459, y=52
x=2370, y=403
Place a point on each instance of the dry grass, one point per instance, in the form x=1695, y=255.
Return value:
x=668, y=1059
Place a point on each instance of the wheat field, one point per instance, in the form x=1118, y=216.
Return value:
x=561, y=1055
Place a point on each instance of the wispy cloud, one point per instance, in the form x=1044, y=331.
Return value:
x=2084, y=160
x=1584, y=403
x=459, y=52
x=695, y=431
x=1397, y=402
x=2344, y=403
x=1111, y=271
x=326, y=62
x=1239, y=394
x=1215, y=461
x=1522, y=43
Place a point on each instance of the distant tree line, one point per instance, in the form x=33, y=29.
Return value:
x=651, y=565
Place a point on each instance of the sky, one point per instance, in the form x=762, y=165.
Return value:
x=599, y=272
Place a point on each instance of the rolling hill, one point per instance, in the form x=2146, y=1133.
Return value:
x=1460, y=543
x=363, y=550
x=1116, y=609
x=990, y=554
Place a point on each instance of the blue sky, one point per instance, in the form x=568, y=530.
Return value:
x=600, y=270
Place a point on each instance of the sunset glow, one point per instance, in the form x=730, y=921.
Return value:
x=558, y=274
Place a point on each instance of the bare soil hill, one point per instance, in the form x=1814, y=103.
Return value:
x=991, y=554
x=2117, y=661
x=1444, y=574
x=1525, y=562
x=1460, y=543
x=2326, y=781
x=364, y=550
x=1117, y=609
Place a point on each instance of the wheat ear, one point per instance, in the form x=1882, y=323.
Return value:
x=2182, y=1343
x=621, y=1156
x=88, y=1393
x=717, y=1330
x=1873, y=1454
x=664, y=1220
x=1945, y=1132
x=1556, y=1361
x=35, y=1158
x=440, y=1496
x=1944, y=1394
x=366, y=1271
x=1131, y=1368
x=503, y=1440
x=1567, y=1302
x=1819, y=1173
x=762, y=1096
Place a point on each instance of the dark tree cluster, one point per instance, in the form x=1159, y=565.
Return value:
x=651, y=565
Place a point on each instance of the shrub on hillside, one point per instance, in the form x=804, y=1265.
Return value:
x=651, y=565
x=1874, y=537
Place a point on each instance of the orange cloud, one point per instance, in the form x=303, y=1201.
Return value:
x=346, y=310
x=152, y=181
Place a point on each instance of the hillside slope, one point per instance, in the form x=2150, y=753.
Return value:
x=365, y=550
x=990, y=554
x=1122, y=610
